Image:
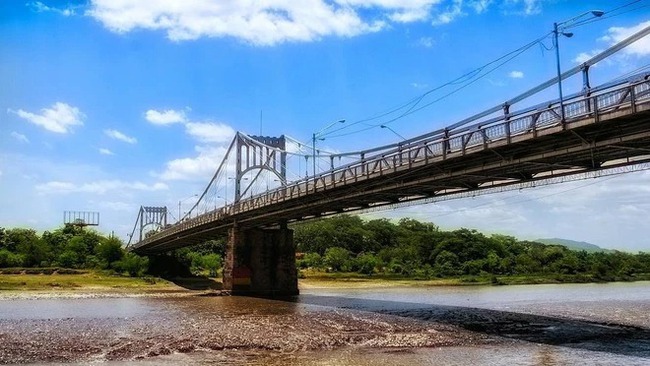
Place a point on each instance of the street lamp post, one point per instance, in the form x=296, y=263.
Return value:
x=318, y=135
x=558, y=28
x=237, y=196
x=225, y=200
x=393, y=131
x=181, y=201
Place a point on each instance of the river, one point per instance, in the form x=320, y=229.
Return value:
x=595, y=324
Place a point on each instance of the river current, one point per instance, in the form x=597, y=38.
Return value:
x=595, y=324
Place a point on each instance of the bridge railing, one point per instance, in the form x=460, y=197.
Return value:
x=623, y=94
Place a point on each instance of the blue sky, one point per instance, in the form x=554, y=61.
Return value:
x=107, y=105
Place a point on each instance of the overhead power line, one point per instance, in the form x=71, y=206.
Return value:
x=414, y=105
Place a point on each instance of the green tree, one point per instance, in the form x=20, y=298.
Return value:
x=446, y=264
x=56, y=241
x=17, y=236
x=90, y=239
x=35, y=252
x=9, y=259
x=109, y=251
x=366, y=263
x=68, y=259
x=310, y=260
x=75, y=253
x=336, y=258
x=27, y=244
x=213, y=263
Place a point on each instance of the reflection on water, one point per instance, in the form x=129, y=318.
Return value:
x=518, y=325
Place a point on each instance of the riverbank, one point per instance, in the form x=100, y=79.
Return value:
x=79, y=281
x=319, y=279
x=82, y=283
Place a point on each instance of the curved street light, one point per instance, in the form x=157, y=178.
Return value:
x=393, y=131
x=181, y=201
x=318, y=135
x=558, y=28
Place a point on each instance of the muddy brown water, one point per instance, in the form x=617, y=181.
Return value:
x=595, y=324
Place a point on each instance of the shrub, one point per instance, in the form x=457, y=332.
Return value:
x=9, y=259
x=366, y=263
x=132, y=264
x=310, y=260
x=336, y=257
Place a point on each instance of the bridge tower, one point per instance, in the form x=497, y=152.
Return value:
x=149, y=218
x=260, y=261
x=259, y=153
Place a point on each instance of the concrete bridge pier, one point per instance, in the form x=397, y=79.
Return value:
x=260, y=262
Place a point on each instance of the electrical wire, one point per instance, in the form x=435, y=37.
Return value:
x=474, y=74
x=467, y=84
x=608, y=14
x=468, y=77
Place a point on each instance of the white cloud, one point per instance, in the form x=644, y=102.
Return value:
x=104, y=151
x=524, y=7
x=98, y=187
x=59, y=118
x=516, y=74
x=585, y=56
x=426, y=42
x=453, y=11
x=532, y=7
x=615, y=35
x=165, y=117
x=480, y=6
x=497, y=83
x=56, y=187
x=210, y=132
x=39, y=7
x=118, y=206
x=19, y=136
x=411, y=15
x=638, y=48
x=199, y=168
x=419, y=86
x=115, y=134
x=261, y=23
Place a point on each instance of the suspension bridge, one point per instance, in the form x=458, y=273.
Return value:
x=596, y=131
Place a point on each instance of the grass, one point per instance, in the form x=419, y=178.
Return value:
x=320, y=279
x=99, y=281
x=81, y=281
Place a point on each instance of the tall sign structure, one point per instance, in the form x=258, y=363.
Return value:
x=81, y=218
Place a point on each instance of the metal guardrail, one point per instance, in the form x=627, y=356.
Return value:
x=529, y=122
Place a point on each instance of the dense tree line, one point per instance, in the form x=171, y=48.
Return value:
x=420, y=249
x=69, y=247
x=407, y=248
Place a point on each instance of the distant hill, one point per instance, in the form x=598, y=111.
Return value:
x=574, y=245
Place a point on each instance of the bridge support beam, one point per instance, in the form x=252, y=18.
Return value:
x=260, y=262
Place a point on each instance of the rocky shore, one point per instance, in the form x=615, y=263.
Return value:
x=183, y=324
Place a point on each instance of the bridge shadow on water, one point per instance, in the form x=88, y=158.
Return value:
x=196, y=283
x=557, y=331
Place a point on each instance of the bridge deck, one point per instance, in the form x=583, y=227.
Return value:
x=603, y=130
